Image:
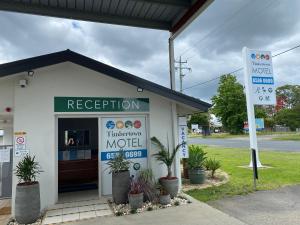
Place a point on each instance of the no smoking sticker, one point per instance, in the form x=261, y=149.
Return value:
x=20, y=144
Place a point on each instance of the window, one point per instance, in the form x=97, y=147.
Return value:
x=77, y=138
x=1, y=133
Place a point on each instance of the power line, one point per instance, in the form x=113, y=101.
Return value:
x=213, y=31
x=241, y=68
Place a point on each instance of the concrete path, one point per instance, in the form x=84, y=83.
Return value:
x=264, y=143
x=276, y=207
x=196, y=213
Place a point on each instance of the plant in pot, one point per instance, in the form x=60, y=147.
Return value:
x=27, y=200
x=164, y=196
x=196, y=163
x=148, y=184
x=119, y=168
x=169, y=183
x=135, y=195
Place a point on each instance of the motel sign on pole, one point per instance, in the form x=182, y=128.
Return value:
x=259, y=87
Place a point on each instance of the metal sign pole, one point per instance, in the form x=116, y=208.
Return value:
x=250, y=107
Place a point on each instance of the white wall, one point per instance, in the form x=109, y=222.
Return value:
x=34, y=114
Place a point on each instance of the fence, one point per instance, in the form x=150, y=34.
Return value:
x=6, y=157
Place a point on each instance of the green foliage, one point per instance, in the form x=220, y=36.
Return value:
x=230, y=104
x=118, y=163
x=150, y=208
x=260, y=112
x=290, y=94
x=212, y=165
x=27, y=169
x=289, y=117
x=148, y=184
x=269, y=122
x=201, y=119
x=196, y=158
x=164, y=155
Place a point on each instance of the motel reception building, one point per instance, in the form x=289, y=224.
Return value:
x=74, y=113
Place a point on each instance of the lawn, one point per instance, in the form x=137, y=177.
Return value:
x=290, y=137
x=285, y=171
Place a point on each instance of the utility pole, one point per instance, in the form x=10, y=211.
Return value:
x=181, y=68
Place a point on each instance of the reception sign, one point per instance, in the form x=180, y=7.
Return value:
x=128, y=134
x=100, y=104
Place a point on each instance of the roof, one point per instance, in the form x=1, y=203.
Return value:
x=28, y=64
x=157, y=14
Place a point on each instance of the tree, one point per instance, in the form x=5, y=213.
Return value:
x=289, y=95
x=230, y=104
x=201, y=119
x=289, y=117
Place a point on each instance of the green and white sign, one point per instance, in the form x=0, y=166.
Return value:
x=100, y=104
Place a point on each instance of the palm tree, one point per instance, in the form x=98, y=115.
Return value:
x=164, y=155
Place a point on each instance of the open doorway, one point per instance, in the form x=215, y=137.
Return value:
x=77, y=154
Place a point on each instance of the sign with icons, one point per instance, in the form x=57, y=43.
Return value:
x=20, y=144
x=260, y=75
x=123, y=133
x=182, y=136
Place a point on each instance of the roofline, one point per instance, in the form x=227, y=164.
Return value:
x=28, y=64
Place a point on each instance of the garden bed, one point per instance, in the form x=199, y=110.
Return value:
x=220, y=178
x=125, y=209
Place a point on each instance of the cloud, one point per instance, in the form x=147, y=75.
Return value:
x=212, y=44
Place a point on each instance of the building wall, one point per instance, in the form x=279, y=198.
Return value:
x=7, y=86
x=34, y=114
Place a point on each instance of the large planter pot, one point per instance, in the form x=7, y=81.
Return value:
x=27, y=203
x=136, y=200
x=197, y=176
x=170, y=185
x=120, y=186
x=164, y=199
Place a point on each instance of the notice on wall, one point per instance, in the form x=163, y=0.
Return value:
x=260, y=75
x=20, y=144
x=128, y=134
x=5, y=154
x=182, y=136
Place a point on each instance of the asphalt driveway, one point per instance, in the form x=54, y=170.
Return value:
x=276, y=207
x=264, y=143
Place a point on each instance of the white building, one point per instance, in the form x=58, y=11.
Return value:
x=74, y=112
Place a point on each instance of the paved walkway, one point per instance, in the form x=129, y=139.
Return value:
x=4, y=210
x=276, y=207
x=196, y=213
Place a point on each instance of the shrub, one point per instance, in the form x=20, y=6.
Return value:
x=118, y=163
x=212, y=165
x=147, y=181
x=135, y=187
x=196, y=158
x=27, y=169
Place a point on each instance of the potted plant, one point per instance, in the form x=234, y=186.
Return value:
x=27, y=200
x=136, y=195
x=119, y=168
x=196, y=162
x=164, y=196
x=169, y=183
x=148, y=184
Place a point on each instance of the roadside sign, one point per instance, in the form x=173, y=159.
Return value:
x=260, y=77
x=20, y=144
x=259, y=88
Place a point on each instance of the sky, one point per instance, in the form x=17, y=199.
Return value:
x=211, y=45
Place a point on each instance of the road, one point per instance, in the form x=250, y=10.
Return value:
x=264, y=143
x=275, y=207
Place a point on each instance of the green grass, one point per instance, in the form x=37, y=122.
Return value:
x=285, y=171
x=290, y=137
